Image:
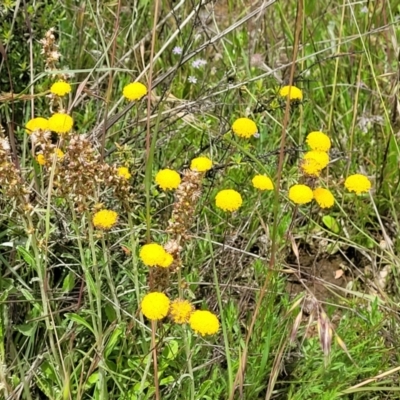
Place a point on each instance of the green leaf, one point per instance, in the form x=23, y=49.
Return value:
x=110, y=313
x=113, y=341
x=79, y=320
x=26, y=329
x=69, y=282
x=26, y=256
x=331, y=223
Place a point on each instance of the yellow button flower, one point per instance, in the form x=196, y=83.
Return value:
x=123, y=172
x=318, y=141
x=357, y=183
x=201, y=164
x=244, y=127
x=262, y=182
x=134, y=91
x=293, y=92
x=300, y=194
x=35, y=124
x=311, y=167
x=168, y=179
x=60, y=88
x=152, y=254
x=180, y=311
x=204, y=322
x=155, y=305
x=60, y=123
x=324, y=197
x=41, y=159
x=228, y=200
x=105, y=219
x=321, y=158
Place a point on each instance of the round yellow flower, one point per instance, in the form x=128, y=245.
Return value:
x=321, y=158
x=300, y=194
x=201, y=164
x=105, y=219
x=59, y=153
x=60, y=88
x=168, y=179
x=357, y=183
x=180, y=311
x=311, y=167
x=262, y=182
x=244, y=127
x=123, y=172
x=318, y=141
x=35, y=124
x=228, y=200
x=134, y=91
x=204, y=322
x=155, y=305
x=60, y=123
x=40, y=159
x=295, y=92
x=324, y=197
x=152, y=254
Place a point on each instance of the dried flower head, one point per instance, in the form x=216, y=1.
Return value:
x=168, y=179
x=300, y=194
x=105, y=219
x=324, y=197
x=134, y=91
x=155, y=306
x=228, y=200
x=244, y=127
x=357, y=183
x=204, y=322
x=262, y=182
x=180, y=311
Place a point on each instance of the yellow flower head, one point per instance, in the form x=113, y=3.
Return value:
x=155, y=305
x=300, y=194
x=123, y=172
x=357, y=183
x=295, y=92
x=324, y=197
x=318, y=141
x=35, y=124
x=153, y=254
x=134, y=91
x=321, y=158
x=204, y=322
x=180, y=311
x=40, y=159
x=59, y=153
x=262, y=182
x=60, y=88
x=228, y=200
x=60, y=123
x=244, y=127
x=201, y=164
x=311, y=167
x=168, y=179
x=105, y=219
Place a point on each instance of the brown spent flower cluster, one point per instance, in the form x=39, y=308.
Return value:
x=11, y=183
x=81, y=172
x=50, y=49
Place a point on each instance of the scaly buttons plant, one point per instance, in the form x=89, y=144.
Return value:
x=152, y=254
x=300, y=194
x=155, y=306
x=60, y=123
x=244, y=127
x=293, y=92
x=201, y=164
x=228, y=200
x=262, y=182
x=105, y=219
x=324, y=197
x=60, y=88
x=180, y=311
x=318, y=141
x=357, y=183
x=123, y=172
x=204, y=322
x=134, y=91
x=168, y=179
x=35, y=124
